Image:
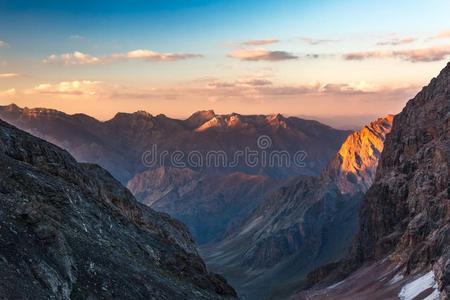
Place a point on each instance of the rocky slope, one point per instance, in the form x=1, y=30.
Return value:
x=209, y=204
x=405, y=216
x=305, y=224
x=71, y=231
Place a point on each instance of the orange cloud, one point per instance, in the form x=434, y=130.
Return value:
x=8, y=93
x=8, y=75
x=79, y=58
x=261, y=54
x=2, y=44
x=431, y=54
x=260, y=42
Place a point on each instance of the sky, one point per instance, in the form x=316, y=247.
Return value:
x=339, y=61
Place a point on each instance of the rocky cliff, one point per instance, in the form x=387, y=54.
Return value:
x=406, y=212
x=71, y=231
x=403, y=239
x=353, y=168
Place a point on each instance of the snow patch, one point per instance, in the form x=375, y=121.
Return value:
x=414, y=288
x=396, y=278
x=335, y=285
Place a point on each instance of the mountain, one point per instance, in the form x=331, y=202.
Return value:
x=402, y=248
x=212, y=195
x=119, y=144
x=353, y=168
x=209, y=204
x=71, y=231
x=305, y=224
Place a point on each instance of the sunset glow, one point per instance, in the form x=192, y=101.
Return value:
x=327, y=60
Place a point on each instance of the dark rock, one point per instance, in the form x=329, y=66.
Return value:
x=70, y=230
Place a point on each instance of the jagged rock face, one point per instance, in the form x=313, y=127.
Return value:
x=118, y=144
x=406, y=212
x=71, y=231
x=210, y=205
x=354, y=167
x=303, y=225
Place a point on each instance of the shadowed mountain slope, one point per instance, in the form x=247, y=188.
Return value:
x=71, y=231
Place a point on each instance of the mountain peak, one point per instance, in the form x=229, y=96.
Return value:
x=12, y=107
x=142, y=113
x=200, y=117
x=354, y=167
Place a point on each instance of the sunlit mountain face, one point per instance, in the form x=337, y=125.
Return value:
x=224, y=149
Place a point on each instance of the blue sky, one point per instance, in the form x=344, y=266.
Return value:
x=214, y=54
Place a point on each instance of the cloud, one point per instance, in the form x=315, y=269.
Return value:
x=152, y=56
x=256, y=82
x=261, y=54
x=431, y=54
x=71, y=88
x=397, y=41
x=443, y=35
x=260, y=42
x=8, y=75
x=314, y=42
x=8, y=93
x=2, y=44
x=242, y=89
x=75, y=58
x=79, y=58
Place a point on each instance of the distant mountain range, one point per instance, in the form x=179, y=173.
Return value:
x=71, y=231
x=305, y=224
x=211, y=200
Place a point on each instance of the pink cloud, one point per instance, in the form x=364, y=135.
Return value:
x=261, y=54
x=431, y=54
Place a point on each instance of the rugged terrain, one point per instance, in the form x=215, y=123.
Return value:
x=305, y=224
x=70, y=230
x=210, y=200
x=405, y=215
x=209, y=204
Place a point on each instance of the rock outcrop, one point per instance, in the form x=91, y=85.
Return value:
x=353, y=169
x=71, y=231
